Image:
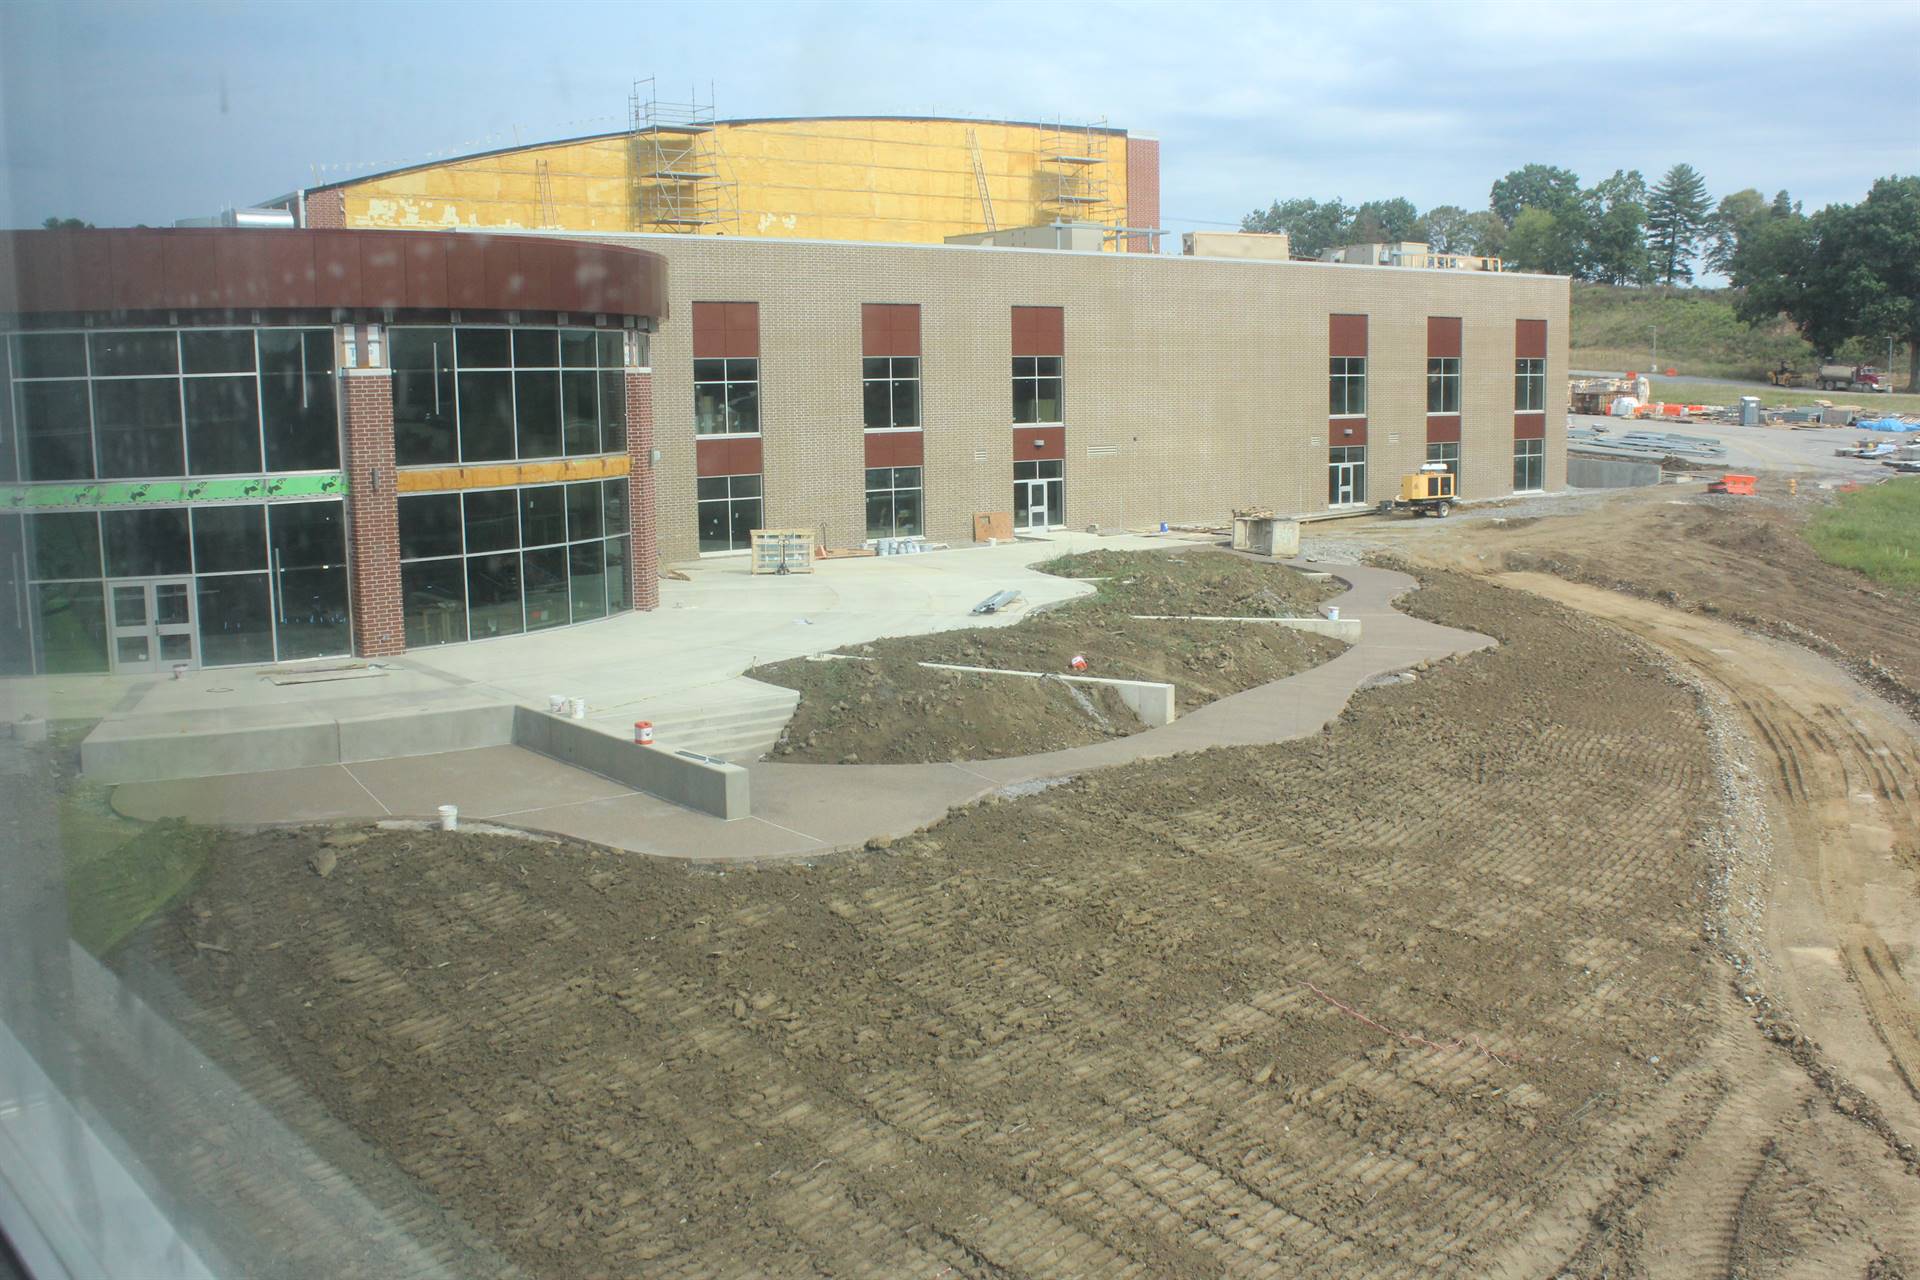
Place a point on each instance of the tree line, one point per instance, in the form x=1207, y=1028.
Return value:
x=1844, y=271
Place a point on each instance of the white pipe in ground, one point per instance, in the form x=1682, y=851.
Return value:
x=449, y=817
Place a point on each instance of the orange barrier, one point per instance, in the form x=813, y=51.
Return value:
x=1731, y=483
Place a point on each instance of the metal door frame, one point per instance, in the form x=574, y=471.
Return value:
x=151, y=627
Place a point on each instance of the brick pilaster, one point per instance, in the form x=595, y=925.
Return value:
x=645, y=560
x=373, y=542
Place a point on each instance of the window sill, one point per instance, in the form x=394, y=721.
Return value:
x=1443, y=413
x=894, y=431
x=1018, y=426
x=727, y=435
x=1344, y=417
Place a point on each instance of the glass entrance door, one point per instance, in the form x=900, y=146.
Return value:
x=153, y=625
x=1346, y=475
x=1039, y=495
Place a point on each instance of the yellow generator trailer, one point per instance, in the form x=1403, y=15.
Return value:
x=1428, y=492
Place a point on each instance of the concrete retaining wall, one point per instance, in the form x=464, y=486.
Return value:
x=698, y=782
x=1586, y=471
x=1152, y=701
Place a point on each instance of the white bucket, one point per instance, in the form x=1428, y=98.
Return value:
x=449, y=818
x=557, y=704
x=577, y=708
x=1333, y=613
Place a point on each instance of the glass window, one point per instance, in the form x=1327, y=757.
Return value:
x=537, y=413
x=63, y=545
x=229, y=539
x=131, y=352
x=543, y=515
x=429, y=526
x=619, y=584
x=236, y=619
x=485, y=349
x=613, y=412
x=726, y=397
x=136, y=423
x=298, y=412
x=580, y=412
x=216, y=351
x=1529, y=386
x=308, y=550
x=223, y=424
x=147, y=544
x=1443, y=384
x=434, y=602
x=1449, y=455
x=613, y=354
x=50, y=355
x=546, y=578
x=423, y=396
x=893, y=502
x=486, y=416
x=1037, y=389
x=55, y=431
x=584, y=511
x=587, y=579
x=891, y=392
x=536, y=349
x=728, y=508
x=1529, y=465
x=493, y=520
x=70, y=627
x=578, y=350
x=1347, y=386
x=615, y=505
x=493, y=595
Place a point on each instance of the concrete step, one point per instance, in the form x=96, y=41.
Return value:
x=739, y=740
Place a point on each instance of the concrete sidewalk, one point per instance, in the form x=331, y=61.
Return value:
x=803, y=809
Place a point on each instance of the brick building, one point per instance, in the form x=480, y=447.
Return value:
x=226, y=447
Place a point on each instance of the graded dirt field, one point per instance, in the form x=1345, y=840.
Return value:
x=1428, y=994
x=882, y=707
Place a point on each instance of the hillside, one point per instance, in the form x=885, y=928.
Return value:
x=1613, y=329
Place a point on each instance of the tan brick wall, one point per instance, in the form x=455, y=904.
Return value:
x=1208, y=378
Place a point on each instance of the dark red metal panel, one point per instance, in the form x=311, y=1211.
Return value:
x=1347, y=336
x=1443, y=428
x=906, y=329
x=743, y=329
x=426, y=264
x=897, y=448
x=1530, y=339
x=1529, y=426
x=191, y=268
x=1443, y=335
x=1039, y=331
x=721, y=456
x=875, y=340
x=1030, y=443
x=1346, y=431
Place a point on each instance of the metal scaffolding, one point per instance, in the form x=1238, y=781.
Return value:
x=674, y=164
x=1070, y=172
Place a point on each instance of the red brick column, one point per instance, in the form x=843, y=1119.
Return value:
x=645, y=560
x=373, y=516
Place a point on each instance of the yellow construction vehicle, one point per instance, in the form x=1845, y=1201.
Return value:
x=1428, y=491
x=1784, y=376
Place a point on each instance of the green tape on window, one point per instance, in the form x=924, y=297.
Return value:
x=138, y=493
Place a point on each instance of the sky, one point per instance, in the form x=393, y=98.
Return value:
x=127, y=112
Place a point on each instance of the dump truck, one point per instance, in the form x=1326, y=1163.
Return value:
x=1428, y=492
x=1835, y=376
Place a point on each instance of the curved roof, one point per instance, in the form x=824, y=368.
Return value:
x=224, y=269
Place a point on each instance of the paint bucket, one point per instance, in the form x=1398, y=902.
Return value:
x=643, y=733
x=1079, y=662
x=557, y=704
x=577, y=708
x=449, y=818
x=1333, y=613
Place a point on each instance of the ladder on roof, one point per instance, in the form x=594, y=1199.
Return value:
x=980, y=176
x=543, y=192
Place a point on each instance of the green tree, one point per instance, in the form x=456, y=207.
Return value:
x=1615, y=248
x=66, y=224
x=1486, y=234
x=1449, y=229
x=1539, y=241
x=1382, y=221
x=1676, y=220
x=1848, y=271
x=1733, y=219
x=1537, y=186
x=1311, y=224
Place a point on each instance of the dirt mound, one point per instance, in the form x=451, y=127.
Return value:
x=1392, y=1000
x=886, y=709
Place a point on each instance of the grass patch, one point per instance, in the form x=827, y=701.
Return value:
x=1680, y=391
x=1875, y=531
